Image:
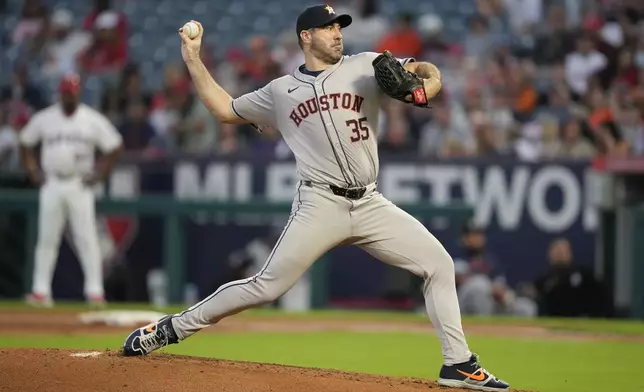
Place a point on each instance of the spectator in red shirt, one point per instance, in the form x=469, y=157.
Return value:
x=101, y=6
x=626, y=69
x=403, y=40
x=599, y=106
x=260, y=66
x=106, y=53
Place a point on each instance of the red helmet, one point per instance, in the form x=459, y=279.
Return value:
x=70, y=84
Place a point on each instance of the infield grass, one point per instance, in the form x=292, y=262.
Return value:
x=601, y=326
x=527, y=363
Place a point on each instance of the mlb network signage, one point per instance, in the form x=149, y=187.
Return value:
x=524, y=206
x=552, y=197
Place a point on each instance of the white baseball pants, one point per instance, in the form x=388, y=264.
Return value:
x=64, y=200
x=320, y=221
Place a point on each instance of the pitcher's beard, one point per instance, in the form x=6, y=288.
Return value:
x=334, y=56
x=327, y=55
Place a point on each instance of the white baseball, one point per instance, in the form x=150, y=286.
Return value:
x=191, y=29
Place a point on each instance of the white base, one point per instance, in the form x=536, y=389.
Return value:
x=120, y=318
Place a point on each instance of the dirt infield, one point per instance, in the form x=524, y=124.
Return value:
x=63, y=370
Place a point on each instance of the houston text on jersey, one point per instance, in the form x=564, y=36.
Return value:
x=326, y=102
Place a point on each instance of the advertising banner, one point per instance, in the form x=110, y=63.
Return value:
x=523, y=207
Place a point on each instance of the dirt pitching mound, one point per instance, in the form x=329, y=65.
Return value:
x=55, y=370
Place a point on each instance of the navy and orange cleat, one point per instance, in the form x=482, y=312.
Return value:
x=471, y=375
x=149, y=338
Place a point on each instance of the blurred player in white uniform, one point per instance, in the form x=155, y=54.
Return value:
x=68, y=132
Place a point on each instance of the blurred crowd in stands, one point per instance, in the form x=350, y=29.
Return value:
x=531, y=80
x=567, y=288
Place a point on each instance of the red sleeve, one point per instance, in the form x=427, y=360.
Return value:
x=122, y=29
x=158, y=101
x=97, y=59
x=84, y=59
x=120, y=54
x=88, y=23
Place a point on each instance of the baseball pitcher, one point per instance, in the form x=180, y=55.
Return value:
x=327, y=112
x=68, y=133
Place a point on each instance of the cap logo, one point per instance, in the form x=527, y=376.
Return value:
x=329, y=9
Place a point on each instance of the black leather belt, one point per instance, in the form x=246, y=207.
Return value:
x=349, y=193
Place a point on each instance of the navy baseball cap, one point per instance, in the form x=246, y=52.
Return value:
x=320, y=15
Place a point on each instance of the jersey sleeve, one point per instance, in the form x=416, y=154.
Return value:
x=31, y=134
x=108, y=137
x=256, y=107
x=405, y=61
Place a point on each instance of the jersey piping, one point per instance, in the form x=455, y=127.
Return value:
x=326, y=131
x=355, y=182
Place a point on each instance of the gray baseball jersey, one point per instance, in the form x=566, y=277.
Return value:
x=330, y=122
x=325, y=120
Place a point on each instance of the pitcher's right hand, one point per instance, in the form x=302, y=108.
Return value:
x=191, y=47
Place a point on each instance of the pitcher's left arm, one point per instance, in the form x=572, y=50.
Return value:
x=431, y=75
